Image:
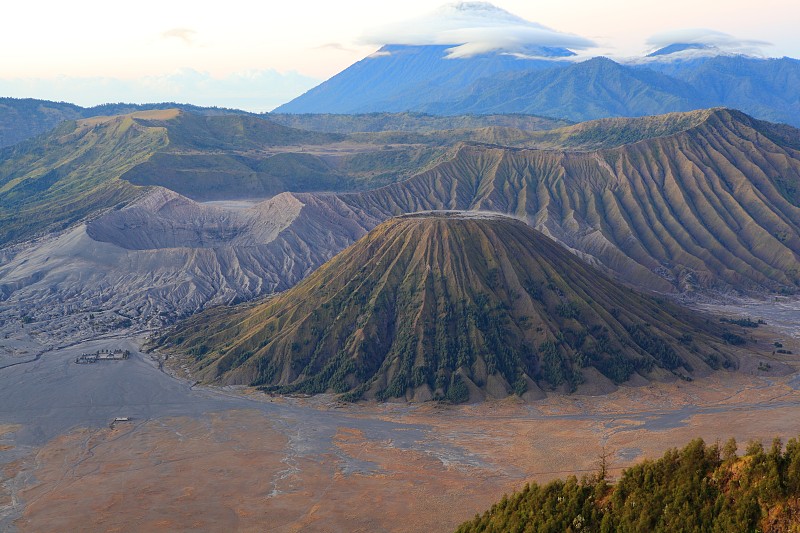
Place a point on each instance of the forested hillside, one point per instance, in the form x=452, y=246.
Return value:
x=699, y=488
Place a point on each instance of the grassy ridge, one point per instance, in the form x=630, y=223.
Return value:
x=224, y=174
x=49, y=183
x=698, y=488
x=414, y=122
x=674, y=202
x=25, y=118
x=614, y=132
x=437, y=307
x=234, y=132
x=224, y=157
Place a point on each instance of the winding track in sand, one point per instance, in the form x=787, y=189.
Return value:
x=195, y=457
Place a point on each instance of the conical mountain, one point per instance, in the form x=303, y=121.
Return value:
x=423, y=78
x=401, y=78
x=684, y=202
x=454, y=306
x=676, y=48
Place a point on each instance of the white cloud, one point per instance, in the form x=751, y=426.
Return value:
x=184, y=34
x=711, y=42
x=255, y=90
x=475, y=28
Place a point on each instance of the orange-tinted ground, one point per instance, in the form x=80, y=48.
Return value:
x=240, y=470
x=218, y=460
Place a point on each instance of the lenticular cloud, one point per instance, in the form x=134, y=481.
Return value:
x=711, y=40
x=475, y=28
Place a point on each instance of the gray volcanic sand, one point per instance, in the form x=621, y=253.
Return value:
x=197, y=458
x=53, y=395
x=780, y=313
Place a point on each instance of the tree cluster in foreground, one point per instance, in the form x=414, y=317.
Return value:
x=699, y=488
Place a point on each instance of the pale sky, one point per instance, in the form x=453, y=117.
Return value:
x=256, y=55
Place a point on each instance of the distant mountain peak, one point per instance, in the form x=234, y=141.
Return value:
x=486, y=9
x=598, y=61
x=681, y=47
x=476, y=28
x=443, y=52
x=691, y=43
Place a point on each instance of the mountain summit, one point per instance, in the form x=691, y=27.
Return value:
x=677, y=48
x=402, y=77
x=450, y=305
x=430, y=58
x=548, y=82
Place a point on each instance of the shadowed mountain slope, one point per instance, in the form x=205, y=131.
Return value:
x=422, y=79
x=764, y=88
x=592, y=89
x=450, y=305
x=390, y=78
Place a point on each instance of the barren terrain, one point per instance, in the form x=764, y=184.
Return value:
x=231, y=459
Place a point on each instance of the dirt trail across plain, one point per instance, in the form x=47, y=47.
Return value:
x=193, y=458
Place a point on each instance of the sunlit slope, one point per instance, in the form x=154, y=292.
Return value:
x=51, y=182
x=451, y=306
x=698, y=488
x=25, y=118
x=235, y=157
x=716, y=203
x=412, y=122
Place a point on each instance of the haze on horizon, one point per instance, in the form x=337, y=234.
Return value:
x=256, y=57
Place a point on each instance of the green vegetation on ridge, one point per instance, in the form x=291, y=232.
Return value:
x=239, y=156
x=49, y=183
x=411, y=122
x=677, y=202
x=81, y=168
x=449, y=307
x=698, y=488
x=24, y=118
